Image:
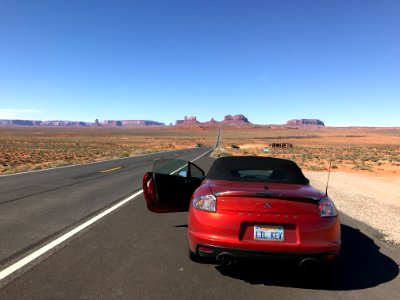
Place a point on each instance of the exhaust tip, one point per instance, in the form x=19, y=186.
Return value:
x=226, y=259
x=310, y=265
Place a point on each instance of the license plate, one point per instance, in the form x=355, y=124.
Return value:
x=268, y=233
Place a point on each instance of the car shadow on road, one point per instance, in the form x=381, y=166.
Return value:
x=361, y=266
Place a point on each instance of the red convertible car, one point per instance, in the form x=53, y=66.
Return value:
x=247, y=207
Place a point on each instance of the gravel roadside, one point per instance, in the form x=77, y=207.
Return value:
x=371, y=200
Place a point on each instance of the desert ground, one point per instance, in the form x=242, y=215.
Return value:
x=371, y=151
x=34, y=148
x=365, y=162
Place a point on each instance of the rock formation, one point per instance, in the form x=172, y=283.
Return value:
x=305, y=122
x=235, y=120
x=188, y=120
x=131, y=123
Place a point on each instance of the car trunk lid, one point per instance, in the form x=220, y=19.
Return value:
x=261, y=197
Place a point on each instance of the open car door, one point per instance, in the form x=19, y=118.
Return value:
x=170, y=185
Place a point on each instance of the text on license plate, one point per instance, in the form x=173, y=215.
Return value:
x=268, y=233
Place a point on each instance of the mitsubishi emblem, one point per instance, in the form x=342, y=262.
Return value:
x=267, y=205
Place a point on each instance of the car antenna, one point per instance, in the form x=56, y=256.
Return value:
x=327, y=183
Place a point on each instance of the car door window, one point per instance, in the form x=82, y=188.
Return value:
x=176, y=167
x=196, y=172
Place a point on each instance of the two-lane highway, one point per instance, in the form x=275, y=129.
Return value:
x=37, y=207
x=135, y=254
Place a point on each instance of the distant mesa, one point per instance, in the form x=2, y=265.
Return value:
x=129, y=123
x=237, y=120
x=64, y=123
x=42, y=123
x=188, y=120
x=305, y=122
x=20, y=122
x=106, y=123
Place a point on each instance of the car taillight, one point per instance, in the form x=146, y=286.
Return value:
x=327, y=208
x=205, y=202
x=148, y=187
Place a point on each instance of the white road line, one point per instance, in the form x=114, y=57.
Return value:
x=27, y=259
x=205, y=153
x=191, y=161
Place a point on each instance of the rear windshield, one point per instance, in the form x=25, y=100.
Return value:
x=256, y=169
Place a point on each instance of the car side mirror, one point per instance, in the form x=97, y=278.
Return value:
x=183, y=173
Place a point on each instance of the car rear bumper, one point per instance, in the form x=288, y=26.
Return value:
x=211, y=251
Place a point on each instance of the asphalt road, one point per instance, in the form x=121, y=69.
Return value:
x=135, y=254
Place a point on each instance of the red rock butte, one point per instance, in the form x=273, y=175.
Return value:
x=236, y=120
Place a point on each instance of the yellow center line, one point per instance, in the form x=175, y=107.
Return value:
x=110, y=170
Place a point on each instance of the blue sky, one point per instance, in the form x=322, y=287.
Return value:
x=338, y=61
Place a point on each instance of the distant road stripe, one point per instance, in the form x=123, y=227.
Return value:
x=31, y=257
x=110, y=170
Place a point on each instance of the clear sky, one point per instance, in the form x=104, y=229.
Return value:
x=271, y=60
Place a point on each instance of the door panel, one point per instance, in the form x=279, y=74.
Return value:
x=168, y=193
x=175, y=190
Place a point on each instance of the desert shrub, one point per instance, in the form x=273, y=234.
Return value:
x=316, y=168
x=363, y=167
x=59, y=163
x=124, y=154
x=220, y=152
x=9, y=171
